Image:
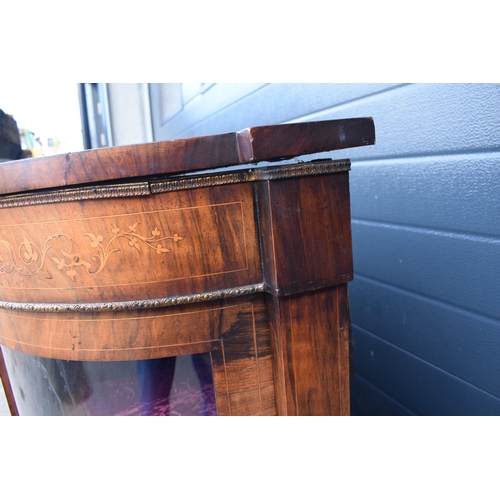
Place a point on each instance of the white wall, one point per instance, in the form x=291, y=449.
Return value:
x=130, y=113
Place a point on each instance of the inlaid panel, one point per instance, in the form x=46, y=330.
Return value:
x=123, y=335
x=128, y=249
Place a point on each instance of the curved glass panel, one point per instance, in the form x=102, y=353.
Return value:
x=181, y=385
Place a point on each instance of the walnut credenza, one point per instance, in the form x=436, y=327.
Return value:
x=118, y=264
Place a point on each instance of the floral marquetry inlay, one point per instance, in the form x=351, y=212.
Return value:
x=144, y=247
x=29, y=259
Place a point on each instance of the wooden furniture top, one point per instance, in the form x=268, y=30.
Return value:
x=183, y=155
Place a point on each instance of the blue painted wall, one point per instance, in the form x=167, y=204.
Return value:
x=425, y=301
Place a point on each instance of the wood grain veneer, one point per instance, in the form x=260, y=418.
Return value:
x=185, y=155
x=310, y=335
x=307, y=220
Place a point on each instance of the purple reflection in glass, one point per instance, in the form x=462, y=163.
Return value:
x=180, y=385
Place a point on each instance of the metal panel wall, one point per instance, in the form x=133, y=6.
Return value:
x=426, y=232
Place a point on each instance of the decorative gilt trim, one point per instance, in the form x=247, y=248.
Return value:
x=133, y=304
x=169, y=185
x=79, y=194
x=318, y=167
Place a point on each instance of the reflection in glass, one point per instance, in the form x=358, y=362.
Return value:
x=180, y=385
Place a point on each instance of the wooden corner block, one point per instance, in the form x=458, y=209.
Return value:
x=305, y=231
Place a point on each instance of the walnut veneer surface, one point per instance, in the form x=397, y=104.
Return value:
x=132, y=262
